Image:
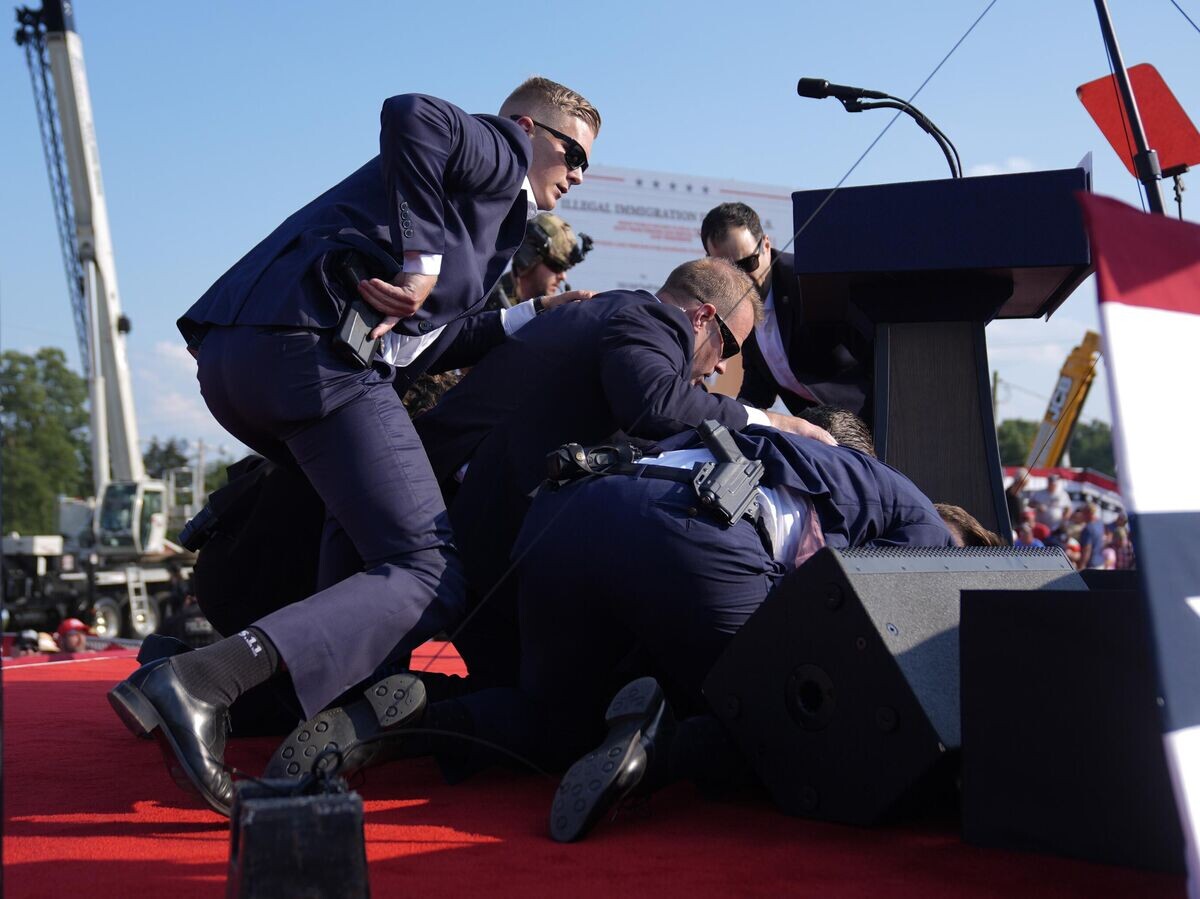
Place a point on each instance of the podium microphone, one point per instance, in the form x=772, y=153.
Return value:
x=819, y=89
x=852, y=98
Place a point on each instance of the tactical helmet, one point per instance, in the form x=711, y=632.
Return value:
x=549, y=239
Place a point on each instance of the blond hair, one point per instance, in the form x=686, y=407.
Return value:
x=539, y=97
x=717, y=281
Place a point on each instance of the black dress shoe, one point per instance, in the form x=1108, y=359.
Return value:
x=368, y=731
x=632, y=760
x=160, y=646
x=190, y=733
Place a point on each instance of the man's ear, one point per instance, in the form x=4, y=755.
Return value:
x=526, y=124
x=704, y=313
x=767, y=244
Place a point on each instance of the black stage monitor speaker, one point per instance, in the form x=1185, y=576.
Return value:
x=1062, y=739
x=842, y=689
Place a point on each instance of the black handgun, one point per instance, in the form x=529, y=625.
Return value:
x=728, y=486
x=353, y=338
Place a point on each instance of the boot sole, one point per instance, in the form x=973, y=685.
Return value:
x=142, y=719
x=592, y=785
x=385, y=706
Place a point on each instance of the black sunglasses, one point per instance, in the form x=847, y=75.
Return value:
x=729, y=345
x=573, y=152
x=748, y=264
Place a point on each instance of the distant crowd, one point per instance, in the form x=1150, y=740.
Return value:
x=1050, y=517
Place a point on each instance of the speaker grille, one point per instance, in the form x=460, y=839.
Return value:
x=894, y=552
x=928, y=559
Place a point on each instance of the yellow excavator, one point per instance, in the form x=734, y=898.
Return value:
x=1074, y=381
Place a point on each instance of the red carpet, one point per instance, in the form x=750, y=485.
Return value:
x=90, y=810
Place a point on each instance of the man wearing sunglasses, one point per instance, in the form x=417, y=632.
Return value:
x=432, y=222
x=539, y=268
x=803, y=354
x=626, y=361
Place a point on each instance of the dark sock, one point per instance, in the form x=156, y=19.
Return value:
x=220, y=673
x=454, y=754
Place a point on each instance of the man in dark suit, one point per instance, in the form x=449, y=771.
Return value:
x=624, y=361
x=433, y=220
x=676, y=583
x=797, y=352
x=669, y=579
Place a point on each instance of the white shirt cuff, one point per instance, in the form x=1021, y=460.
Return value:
x=516, y=317
x=756, y=417
x=422, y=264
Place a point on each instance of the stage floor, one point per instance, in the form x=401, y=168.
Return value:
x=90, y=810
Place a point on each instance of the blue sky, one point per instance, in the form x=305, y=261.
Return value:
x=216, y=120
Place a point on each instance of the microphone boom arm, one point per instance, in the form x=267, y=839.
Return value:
x=947, y=147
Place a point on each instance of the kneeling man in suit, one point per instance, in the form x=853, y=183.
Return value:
x=433, y=221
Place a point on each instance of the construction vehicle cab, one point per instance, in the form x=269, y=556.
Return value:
x=132, y=520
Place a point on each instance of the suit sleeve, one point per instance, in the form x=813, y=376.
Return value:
x=914, y=523
x=645, y=365
x=915, y=533
x=428, y=149
x=758, y=388
x=479, y=334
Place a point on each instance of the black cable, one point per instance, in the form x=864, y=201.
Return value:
x=242, y=774
x=753, y=288
x=947, y=148
x=1186, y=16
x=891, y=122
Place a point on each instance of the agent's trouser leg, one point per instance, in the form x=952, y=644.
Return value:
x=289, y=396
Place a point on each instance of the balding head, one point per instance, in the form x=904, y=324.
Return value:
x=709, y=292
x=716, y=281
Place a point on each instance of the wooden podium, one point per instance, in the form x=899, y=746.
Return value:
x=921, y=267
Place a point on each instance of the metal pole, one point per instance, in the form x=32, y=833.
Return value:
x=1146, y=160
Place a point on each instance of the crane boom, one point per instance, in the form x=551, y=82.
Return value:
x=1062, y=413
x=70, y=136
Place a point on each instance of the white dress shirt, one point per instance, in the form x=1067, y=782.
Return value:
x=789, y=516
x=774, y=353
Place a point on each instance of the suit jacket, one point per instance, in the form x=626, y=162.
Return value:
x=578, y=373
x=621, y=362
x=859, y=500
x=828, y=357
x=444, y=182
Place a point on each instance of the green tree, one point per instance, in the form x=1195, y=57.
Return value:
x=45, y=444
x=1015, y=436
x=160, y=458
x=1091, y=447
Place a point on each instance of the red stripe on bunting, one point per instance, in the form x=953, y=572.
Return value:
x=1142, y=259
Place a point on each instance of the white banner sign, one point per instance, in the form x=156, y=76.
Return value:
x=646, y=223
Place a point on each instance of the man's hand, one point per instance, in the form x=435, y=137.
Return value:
x=793, y=425
x=400, y=299
x=571, y=296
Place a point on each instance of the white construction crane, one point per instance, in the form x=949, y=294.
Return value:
x=131, y=509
